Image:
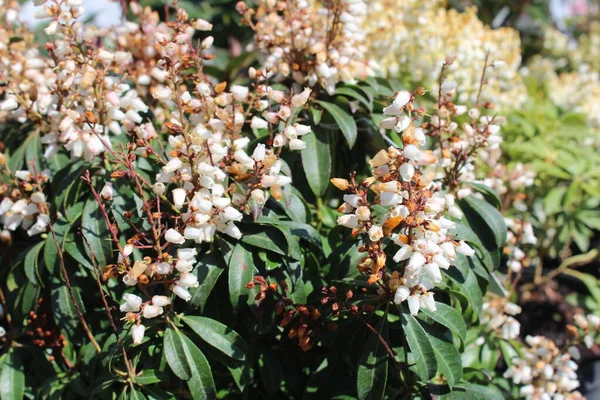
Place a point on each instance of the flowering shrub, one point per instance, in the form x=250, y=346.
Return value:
x=282, y=223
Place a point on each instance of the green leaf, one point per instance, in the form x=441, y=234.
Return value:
x=344, y=121
x=316, y=160
x=304, y=231
x=462, y=275
x=32, y=265
x=201, y=383
x=447, y=356
x=488, y=193
x=486, y=216
x=93, y=226
x=266, y=237
x=175, y=354
x=486, y=392
x=373, y=365
x=150, y=376
x=136, y=395
x=63, y=308
x=354, y=93
x=448, y=317
x=208, y=272
x=218, y=336
x=419, y=345
x=12, y=376
x=240, y=272
x=61, y=228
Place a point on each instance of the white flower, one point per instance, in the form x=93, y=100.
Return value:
x=173, y=165
x=407, y=171
x=258, y=123
x=137, y=333
x=173, y=236
x=428, y=302
x=259, y=152
x=297, y=144
x=202, y=25
x=414, y=304
x=433, y=270
x=298, y=100
x=412, y=152
x=240, y=93
x=178, y=197
x=163, y=268
x=232, y=214
x=349, y=221
x=151, y=311
x=188, y=280
x=465, y=249
x=132, y=303
x=161, y=301
x=375, y=233
x=158, y=188
x=9, y=104
x=23, y=175
x=107, y=191
x=182, y=292
x=187, y=254
x=404, y=253
x=417, y=260
x=401, y=294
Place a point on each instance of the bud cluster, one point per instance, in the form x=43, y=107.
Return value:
x=414, y=221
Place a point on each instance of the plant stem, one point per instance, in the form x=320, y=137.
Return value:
x=71, y=294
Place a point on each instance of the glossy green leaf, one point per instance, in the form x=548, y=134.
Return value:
x=31, y=263
x=12, y=376
x=94, y=229
x=373, y=364
x=485, y=216
x=419, y=345
x=208, y=272
x=240, y=272
x=447, y=356
x=448, y=317
x=218, y=336
x=175, y=354
x=316, y=160
x=201, y=383
x=344, y=121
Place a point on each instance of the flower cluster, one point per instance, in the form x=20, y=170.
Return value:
x=462, y=136
x=116, y=92
x=571, y=72
x=311, y=42
x=498, y=316
x=588, y=329
x=414, y=217
x=413, y=38
x=543, y=372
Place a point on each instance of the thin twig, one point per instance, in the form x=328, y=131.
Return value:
x=70, y=290
x=130, y=370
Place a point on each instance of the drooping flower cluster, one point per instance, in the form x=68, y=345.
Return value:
x=414, y=217
x=23, y=203
x=498, y=316
x=543, y=372
x=311, y=42
x=571, y=71
x=116, y=91
x=413, y=38
x=460, y=143
x=588, y=329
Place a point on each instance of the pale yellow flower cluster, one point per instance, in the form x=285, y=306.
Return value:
x=579, y=89
x=413, y=38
